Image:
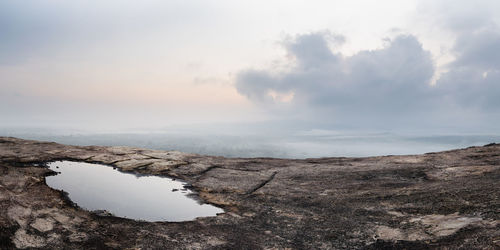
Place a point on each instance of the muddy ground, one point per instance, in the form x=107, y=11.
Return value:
x=438, y=200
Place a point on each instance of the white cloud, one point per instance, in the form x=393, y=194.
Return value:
x=390, y=80
x=383, y=85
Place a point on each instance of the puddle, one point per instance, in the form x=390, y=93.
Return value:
x=150, y=198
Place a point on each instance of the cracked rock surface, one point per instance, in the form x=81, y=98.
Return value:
x=448, y=200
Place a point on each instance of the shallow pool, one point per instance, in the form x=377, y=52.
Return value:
x=149, y=198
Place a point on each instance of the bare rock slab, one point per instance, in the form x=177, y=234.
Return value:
x=443, y=200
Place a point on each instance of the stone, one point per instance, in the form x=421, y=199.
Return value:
x=436, y=200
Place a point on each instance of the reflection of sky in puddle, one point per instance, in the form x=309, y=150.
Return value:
x=150, y=198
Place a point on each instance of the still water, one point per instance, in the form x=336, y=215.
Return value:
x=149, y=198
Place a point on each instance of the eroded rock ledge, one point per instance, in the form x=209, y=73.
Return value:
x=438, y=200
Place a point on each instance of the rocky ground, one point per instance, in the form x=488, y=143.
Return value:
x=437, y=200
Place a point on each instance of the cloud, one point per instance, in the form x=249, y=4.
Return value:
x=391, y=84
x=391, y=80
x=472, y=81
x=460, y=15
x=312, y=50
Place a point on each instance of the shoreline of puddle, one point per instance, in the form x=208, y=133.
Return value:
x=174, y=189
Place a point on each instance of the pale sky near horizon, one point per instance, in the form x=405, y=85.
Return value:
x=156, y=63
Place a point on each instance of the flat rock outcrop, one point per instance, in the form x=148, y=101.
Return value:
x=439, y=200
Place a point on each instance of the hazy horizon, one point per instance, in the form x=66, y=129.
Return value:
x=413, y=73
x=266, y=141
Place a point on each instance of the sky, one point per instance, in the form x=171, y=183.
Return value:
x=365, y=64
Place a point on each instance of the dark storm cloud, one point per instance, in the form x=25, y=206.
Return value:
x=388, y=80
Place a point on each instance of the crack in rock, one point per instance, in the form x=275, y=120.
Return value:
x=263, y=183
